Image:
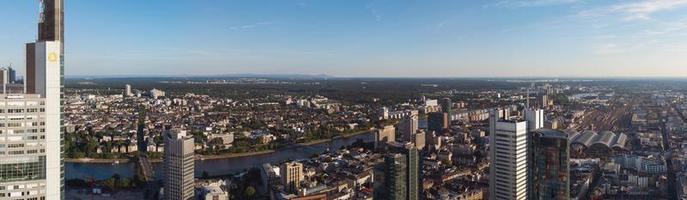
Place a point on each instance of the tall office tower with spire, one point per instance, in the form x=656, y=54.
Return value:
x=44, y=77
x=508, y=154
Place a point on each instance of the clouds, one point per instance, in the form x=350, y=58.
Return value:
x=250, y=26
x=639, y=10
x=530, y=3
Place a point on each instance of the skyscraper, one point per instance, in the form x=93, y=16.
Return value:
x=550, y=172
x=409, y=125
x=391, y=182
x=534, y=118
x=446, y=106
x=4, y=76
x=508, y=155
x=12, y=74
x=45, y=77
x=51, y=24
x=398, y=177
x=384, y=135
x=127, y=90
x=49, y=86
x=178, y=165
x=291, y=175
x=23, y=143
x=437, y=122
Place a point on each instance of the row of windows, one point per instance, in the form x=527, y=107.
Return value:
x=32, y=151
x=21, y=110
x=41, y=130
x=19, y=124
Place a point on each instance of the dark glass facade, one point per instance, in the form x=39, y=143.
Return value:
x=550, y=173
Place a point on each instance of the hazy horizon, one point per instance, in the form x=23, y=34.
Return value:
x=444, y=39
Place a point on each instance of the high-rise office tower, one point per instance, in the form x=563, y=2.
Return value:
x=45, y=77
x=508, y=156
x=534, y=118
x=50, y=29
x=127, y=91
x=384, y=135
x=550, y=172
x=12, y=74
x=178, y=165
x=49, y=86
x=23, y=143
x=4, y=76
x=419, y=139
x=391, y=183
x=51, y=24
x=291, y=175
x=437, y=121
x=409, y=125
x=398, y=177
x=446, y=106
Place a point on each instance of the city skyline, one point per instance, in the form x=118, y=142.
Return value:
x=554, y=38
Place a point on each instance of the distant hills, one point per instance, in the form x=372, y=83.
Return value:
x=219, y=76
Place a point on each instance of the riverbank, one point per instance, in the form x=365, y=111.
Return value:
x=221, y=156
x=96, y=160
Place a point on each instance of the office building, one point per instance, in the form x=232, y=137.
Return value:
x=508, y=155
x=398, y=177
x=384, y=135
x=544, y=101
x=446, y=106
x=178, y=165
x=51, y=24
x=409, y=125
x=550, y=173
x=155, y=93
x=12, y=74
x=419, y=139
x=44, y=76
x=127, y=91
x=23, y=147
x=534, y=118
x=4, y=76
x=291, y=175
x=437, y=122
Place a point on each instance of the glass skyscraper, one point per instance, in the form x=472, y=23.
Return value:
x=550, y=172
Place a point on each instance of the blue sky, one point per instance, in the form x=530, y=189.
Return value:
x=381, y=38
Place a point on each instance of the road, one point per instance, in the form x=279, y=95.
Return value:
x=668, y=155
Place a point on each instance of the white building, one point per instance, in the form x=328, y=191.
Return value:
x=127, y=91
x=48, y=84
x=213, y=191
x=155, y=93
x=508, y=155
x=534, y=118
x=178, y=165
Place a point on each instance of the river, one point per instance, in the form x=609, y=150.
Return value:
x=214, y=167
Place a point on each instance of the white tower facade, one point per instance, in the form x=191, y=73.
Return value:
x=48, y=79
x=534, y=118
x=508, y=154
x=127, y=91
x=179, y=165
